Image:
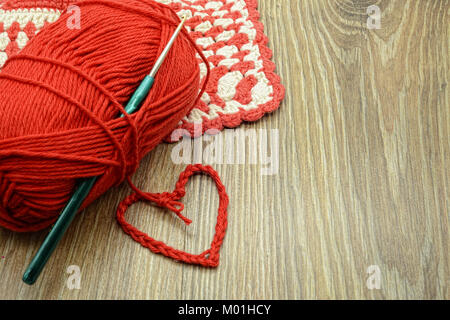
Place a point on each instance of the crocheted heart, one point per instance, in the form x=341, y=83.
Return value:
x=209, y=257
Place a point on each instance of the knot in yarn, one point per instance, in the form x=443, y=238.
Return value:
x=61, y=101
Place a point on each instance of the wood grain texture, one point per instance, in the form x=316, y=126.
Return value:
x=363, y=178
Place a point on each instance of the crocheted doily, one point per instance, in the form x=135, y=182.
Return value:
x=243, y=85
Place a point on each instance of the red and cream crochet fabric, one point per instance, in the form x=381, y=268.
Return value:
x=243, y=85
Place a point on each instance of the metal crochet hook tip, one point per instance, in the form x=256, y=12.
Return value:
x=166, y=50
x=36, y=266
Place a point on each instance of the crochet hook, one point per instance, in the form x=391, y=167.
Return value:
x=73, y=205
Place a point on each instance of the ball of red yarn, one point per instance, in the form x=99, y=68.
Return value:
x=62, y=95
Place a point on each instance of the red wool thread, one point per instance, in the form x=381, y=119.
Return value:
x=60, y=102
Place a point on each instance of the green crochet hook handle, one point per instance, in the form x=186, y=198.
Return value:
x=73, y=205
x=36, y=266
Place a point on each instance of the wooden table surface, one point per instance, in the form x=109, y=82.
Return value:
x=361, y=197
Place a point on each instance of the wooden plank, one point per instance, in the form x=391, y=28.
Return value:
x=363, y=178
